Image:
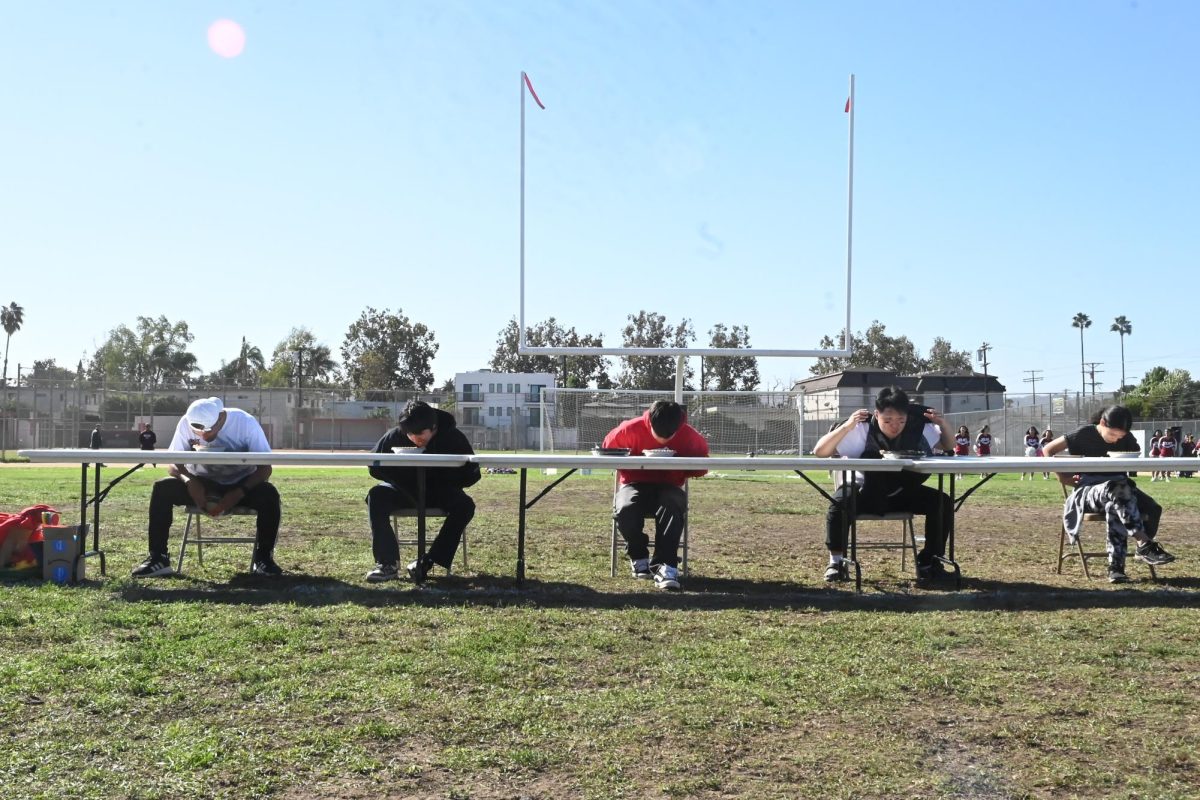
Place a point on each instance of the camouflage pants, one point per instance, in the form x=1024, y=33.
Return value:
x=1115, y=499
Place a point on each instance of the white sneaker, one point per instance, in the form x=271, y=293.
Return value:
x=666, y=577
x=641, y=568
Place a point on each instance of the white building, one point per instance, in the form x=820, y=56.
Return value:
x=500, y=410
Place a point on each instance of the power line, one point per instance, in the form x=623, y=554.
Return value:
x=1033, y=379
x=1091, y=365
x=982, y=355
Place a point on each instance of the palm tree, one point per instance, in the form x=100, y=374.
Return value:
x=1124, y=327
x=1081, y=321
x=11, y=317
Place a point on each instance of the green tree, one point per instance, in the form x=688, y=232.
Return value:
x=47, y=369
x=578, y=371
x=12, y=316
x=944, y=358
x=300, y=349
x=383, y=350
x=650, y=329
x=1165, y=393
x=244, y=369
x=872, y=349
x=1121, y=325
x=736, y=373
x=153, y=355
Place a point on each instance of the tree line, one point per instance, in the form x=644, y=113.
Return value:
x=385, y=350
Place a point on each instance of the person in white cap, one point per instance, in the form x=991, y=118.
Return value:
x=208, y=425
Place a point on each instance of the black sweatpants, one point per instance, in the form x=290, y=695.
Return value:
x=170, y=492
x=923, y=500
x=384, y=498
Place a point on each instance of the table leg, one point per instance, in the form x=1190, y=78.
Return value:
x=521, y=531
x=948, y=559
x=850, y=520
x=420, y=512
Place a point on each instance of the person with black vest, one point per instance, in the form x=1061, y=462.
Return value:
x=894, y=425
x=431, y=430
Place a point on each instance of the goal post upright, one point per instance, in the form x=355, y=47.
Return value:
x=523, y=348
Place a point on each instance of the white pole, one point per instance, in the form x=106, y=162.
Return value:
x=849, y=214
x=521, y=321
x=679, y=379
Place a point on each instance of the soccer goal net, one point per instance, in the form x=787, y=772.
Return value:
x=576, y=420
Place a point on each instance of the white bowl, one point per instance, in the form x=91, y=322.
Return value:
x=662, y=452
x=408, y=451
x=1125, y=455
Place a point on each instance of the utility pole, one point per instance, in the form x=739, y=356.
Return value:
x=1092, y=374
x=1033, y=379
x=982, y=355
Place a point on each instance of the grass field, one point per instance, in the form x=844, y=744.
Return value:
x=757, y=681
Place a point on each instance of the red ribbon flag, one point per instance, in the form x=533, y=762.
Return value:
x=536, y=99
x=847, y=100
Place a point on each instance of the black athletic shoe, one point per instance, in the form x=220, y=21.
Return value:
x=1152, y=553
x=155, y=566
x=1117, y=575
x=418, y=570
x=266, y=566
x=931, y=571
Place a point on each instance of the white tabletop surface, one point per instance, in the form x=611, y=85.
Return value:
x=965, y=465
x=586, y=460
x=278, y=459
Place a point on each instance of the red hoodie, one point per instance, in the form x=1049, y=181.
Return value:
x=636, y=435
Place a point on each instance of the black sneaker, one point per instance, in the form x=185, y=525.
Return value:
x=155, y=566
x=1117, y=575
x=837, y=573
x=931, y=571
x=1152, y=553
x=383, y=572
x=418, y=570
x=266, y=566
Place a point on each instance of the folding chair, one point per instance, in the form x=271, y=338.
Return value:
x=199, y=539
x=411, y=513
x=1080, y=553
x=683, y=539
x=908, y=535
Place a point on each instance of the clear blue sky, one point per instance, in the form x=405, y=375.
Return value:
x=1017, y=162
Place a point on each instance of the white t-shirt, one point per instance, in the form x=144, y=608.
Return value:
x=241, y=433
x=854, y=443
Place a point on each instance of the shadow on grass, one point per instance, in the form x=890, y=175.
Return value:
x=716, y=594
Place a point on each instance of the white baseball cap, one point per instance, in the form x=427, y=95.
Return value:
x=202, y=415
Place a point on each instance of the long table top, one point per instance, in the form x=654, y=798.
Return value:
x=966, y=465
x=584, y=461
x=523, y=460
x=312, y=458
x=957, y=465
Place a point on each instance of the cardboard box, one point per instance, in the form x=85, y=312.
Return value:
x=63, y=543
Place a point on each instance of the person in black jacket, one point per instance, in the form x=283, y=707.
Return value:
x=434, y=431
x=147, y=438
x=894, y=425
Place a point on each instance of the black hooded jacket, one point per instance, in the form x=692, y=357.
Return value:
x=447, y=439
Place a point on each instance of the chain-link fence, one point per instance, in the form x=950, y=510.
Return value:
x=44, y=413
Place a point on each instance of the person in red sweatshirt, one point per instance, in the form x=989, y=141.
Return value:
x=652, y=492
